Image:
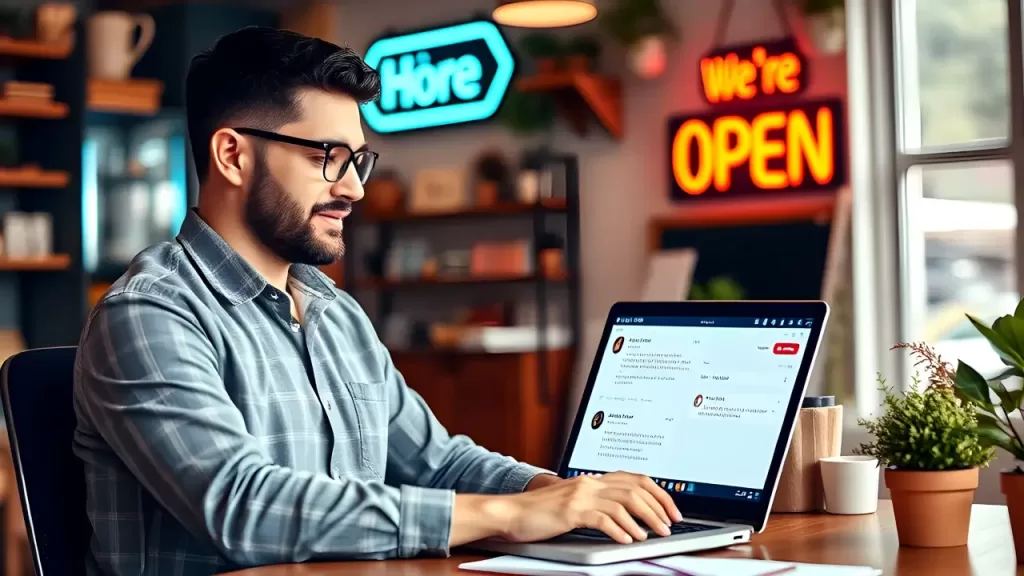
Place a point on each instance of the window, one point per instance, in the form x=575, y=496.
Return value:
x=955, y=168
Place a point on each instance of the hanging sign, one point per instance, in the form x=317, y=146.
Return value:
x=439, y=77
x=760, y=137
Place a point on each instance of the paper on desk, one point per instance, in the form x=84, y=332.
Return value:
x=670, y=566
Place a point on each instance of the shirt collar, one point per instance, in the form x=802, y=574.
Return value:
x=232, y=276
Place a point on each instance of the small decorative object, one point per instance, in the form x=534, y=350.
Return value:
x=385, y=192
x=825, y=22
x=930, y=443
x=438, y=190
x=850, y=484
x=40, y=231
x=454, y=262
x=112, y=48
x=491, y=173
x=718, y=288
x=818, y=434
x=581, y=54
x=528, y=186
x=544, y=49
x=17, y=235
x=644, y=29
x=496, y=259
x=996, y=403
x=527, y=113
x=550, y=254
x=55, y=23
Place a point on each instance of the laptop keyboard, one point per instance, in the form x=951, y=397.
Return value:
x=676, y=529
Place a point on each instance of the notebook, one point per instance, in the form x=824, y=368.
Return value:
x=669, y=566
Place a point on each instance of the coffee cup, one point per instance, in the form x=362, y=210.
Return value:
x=850, y=484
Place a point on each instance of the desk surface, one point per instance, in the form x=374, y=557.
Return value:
x=826, y=539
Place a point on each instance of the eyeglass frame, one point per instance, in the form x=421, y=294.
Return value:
x=325, y=147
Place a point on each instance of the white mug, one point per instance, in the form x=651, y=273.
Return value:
x=112, y=49
x=850, y=483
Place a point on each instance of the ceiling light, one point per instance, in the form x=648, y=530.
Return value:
x=544, y=13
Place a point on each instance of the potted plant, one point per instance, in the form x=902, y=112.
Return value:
x=643, y=28
x=996, y=402
x=826, y=24
x=581, y=53
x=718, y=288
x=929, y=441
x=544, y=49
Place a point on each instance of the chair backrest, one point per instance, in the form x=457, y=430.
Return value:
x=36, y=387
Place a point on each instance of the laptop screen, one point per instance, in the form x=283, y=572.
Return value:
x=697, y=404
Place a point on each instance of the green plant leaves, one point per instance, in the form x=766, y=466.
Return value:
x=1000, y=344
x=971, y=386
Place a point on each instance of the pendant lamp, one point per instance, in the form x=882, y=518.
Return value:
x=544, y=13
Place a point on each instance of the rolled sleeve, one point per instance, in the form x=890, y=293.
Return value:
x=425, y=524
x=519, y=475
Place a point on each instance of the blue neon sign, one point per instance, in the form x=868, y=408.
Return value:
x=439, y=77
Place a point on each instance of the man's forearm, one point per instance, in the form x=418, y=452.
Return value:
x=479, y=516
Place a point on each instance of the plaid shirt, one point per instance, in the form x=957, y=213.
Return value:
x=218, y=433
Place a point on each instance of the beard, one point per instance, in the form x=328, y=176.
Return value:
x=284, y=227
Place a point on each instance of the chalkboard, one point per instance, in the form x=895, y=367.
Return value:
x=776, y=261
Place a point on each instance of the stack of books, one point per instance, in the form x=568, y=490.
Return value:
x=34, y=92
x=136, y=95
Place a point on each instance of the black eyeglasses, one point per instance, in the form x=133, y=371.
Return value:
x=337, y=156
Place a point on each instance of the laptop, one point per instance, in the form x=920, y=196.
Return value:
x=699, y=396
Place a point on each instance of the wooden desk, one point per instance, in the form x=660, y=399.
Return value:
x=860, y=540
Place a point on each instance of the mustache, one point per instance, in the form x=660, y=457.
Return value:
x=334, y=205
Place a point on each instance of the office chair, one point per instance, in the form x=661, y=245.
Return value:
x=36, y=386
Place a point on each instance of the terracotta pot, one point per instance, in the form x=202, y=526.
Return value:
x=932, y=509
x=1012, y=485
x=551, y=262
x=486, y=194
x=547, y=65
x=384, y=196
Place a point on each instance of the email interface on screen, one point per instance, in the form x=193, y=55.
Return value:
x=695, y=403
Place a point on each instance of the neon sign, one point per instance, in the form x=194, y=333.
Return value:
x=739, y=150
x=439, y=77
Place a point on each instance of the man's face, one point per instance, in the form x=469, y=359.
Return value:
x=291, y=208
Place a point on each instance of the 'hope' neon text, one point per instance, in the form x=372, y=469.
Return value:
x=415, y=81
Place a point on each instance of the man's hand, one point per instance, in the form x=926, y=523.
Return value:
x=542, y=480
x=608, y=503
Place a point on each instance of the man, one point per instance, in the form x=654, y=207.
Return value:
x=236, y=409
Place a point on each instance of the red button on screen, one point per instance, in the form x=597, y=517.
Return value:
x=787, y=348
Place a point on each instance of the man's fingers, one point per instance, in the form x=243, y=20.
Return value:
x=621, y=516
x=639, y=507
x=604, y=523
x=663, y=498
x=657, y=507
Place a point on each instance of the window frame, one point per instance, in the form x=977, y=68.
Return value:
x=885, y=246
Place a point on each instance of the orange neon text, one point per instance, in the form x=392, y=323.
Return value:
x=779, y=149
x=731, y=77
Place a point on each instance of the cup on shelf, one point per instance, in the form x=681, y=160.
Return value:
x=850, y=484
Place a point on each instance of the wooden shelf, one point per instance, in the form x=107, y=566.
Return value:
x=31, y=109
x=386, y=284
x=134, y=96
x=599, y=94
x=32, y=49
x=500, y=209
x=35, y=264
x=32, y=178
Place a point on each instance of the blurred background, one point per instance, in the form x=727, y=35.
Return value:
x=504, y=220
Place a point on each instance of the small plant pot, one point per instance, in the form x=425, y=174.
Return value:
x=547, y=65
x=384, y=196
x=551, y=262
x=932, y=509
x=1012, y=486
x=486, y=194
x=827, y=31
x=579, y=63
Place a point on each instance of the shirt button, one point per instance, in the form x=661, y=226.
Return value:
x=295, y=326
x=273, y=295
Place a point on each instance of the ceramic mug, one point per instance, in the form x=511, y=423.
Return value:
x=850, y=484
x=112, y=51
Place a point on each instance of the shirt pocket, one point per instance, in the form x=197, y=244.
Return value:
x=371, y=403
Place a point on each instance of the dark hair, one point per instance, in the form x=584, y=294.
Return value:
x=251, y=77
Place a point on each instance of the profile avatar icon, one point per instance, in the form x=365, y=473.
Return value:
x=698, y=400
x=597, y=420
x=618, y=344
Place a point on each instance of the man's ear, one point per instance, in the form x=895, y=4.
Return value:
x=230, y=155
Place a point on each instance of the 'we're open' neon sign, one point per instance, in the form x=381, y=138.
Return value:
x=742, y=150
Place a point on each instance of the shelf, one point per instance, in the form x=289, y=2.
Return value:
x=496, y=210
x=32, y=178
x=385, y=284
x=136, y=96
x=602, y=95
x=32, y=109
x=11, y=47
x=35, y=264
